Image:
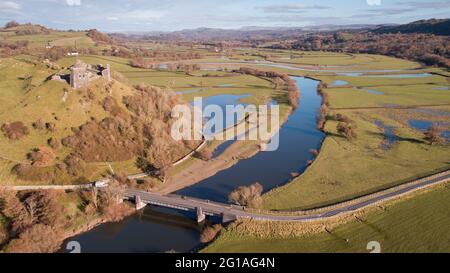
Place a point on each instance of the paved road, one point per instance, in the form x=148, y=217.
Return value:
x=213, y=208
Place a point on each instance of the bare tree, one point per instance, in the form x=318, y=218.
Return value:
x=433, y=134
x=346, y=130
x=249, y=196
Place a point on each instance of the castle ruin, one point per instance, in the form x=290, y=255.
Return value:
x=81, y=74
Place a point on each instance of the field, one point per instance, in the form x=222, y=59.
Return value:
x=418, y=224
x=52, y=37
x=346, y=169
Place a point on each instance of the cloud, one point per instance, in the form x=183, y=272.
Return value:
x=295, y=8
x=373, y=2
x=390, y=11
x=73, y=2
x=112, y=18
x=8, y=6
x=140, y=15
x=426, y=5
x=409, y=7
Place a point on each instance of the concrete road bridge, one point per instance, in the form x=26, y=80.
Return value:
x=230, y=212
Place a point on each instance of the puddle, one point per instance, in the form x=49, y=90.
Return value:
x=423, y=125
x=390, y=137
x=442, y=88
x=376, y=92
x=371, y=91
x=339, y=83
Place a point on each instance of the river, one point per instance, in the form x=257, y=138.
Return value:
x=160, y=230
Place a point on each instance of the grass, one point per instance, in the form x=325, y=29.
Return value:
x=418, y=224
x=30, y=97
x=345, y=169
x=407, y=95
x=55, y=38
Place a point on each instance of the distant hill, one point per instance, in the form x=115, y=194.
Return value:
x=431, y=26
x=248, y=33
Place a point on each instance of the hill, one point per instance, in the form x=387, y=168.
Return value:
x=431, y=26
x=53, y=133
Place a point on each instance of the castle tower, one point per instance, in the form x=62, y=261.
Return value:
x=106, y=73
x=79, y=75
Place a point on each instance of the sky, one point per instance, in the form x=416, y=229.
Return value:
x=170, y=15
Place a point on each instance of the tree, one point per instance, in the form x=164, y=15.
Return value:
x=11, y=24
x=346, y=130
x=15, y=130
x=112, y=195
x=248, y=196
x=433, y=134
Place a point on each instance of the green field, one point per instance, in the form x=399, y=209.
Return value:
x=53, y=37
x=418, y=224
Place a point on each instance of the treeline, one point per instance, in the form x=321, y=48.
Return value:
x=38, y=221
x=277, y=79
x=26, y=29
x=99, y=37
x=426, y=48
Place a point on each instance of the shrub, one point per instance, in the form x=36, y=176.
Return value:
x=39, y=124
x=42, y=156
x=74, y=165
x=433, y=134
x=12, y=24
x=54, y=143
x=209, y=233
x=346, y=130
x=15, y=130
x=249, y=196
x=31, y=173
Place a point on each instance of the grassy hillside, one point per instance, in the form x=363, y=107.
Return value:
x=29, y=97
x=38, y=36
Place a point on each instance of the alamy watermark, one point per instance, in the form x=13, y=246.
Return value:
x=229, y=122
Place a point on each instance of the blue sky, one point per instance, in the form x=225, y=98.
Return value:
x=167, y=15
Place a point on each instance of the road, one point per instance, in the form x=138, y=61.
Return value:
x=213, y=208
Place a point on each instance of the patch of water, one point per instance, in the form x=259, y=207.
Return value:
x=423, y=125
x=390, y=137
x=371, y=91
x=339, y=83
x=442, y=88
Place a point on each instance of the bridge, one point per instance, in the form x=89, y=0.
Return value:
x=230, y=212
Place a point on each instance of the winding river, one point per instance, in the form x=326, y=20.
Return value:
x=159, y=230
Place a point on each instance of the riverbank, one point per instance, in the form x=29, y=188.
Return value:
x=401, y=225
